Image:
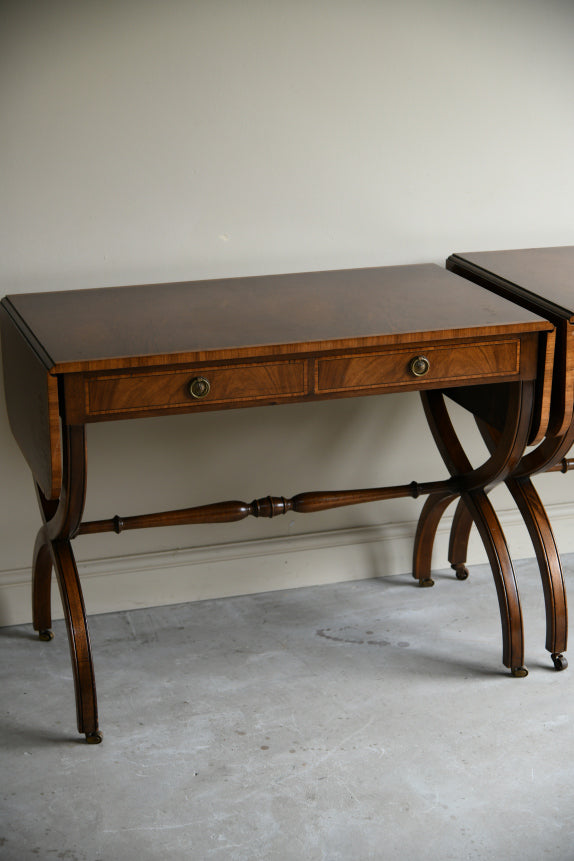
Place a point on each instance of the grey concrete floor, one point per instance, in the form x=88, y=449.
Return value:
x=366, y=720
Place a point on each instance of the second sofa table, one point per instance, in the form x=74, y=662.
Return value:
x=541, y=280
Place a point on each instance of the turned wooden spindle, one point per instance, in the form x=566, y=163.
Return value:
x=566, y=464
x=267, y=506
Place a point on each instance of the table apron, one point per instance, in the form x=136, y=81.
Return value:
x=109, y=396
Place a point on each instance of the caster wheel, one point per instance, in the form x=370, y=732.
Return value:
x=46, y=635
x=425, y=584
x=519, y=672
x=460, y=570
x=560, y=661
x=94, y=737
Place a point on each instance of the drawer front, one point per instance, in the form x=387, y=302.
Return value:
x=172, y=390
x=446, y=365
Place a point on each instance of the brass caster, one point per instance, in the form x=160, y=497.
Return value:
x=519, y=672
x=94, y=737
x=460, y=570
x=46, y=635
x=560, y=661
x=424, y=584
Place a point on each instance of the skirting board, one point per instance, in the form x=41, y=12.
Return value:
x=196, y=574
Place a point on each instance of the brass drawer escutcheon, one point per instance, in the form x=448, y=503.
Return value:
x=419, y=366
x=199, y=388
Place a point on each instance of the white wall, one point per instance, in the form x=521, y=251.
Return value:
x=157, y=141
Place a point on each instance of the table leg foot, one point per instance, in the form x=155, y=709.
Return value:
x=460, y=570
x=94, y=737
x=519, y=672
x=426, y=583
x=45, y=635
x=560, y=661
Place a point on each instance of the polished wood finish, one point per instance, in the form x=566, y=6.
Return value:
x=268, y=506
x=541, y=280
x=318, y=375
x=473, y=486
x=565, y=465
x=233, y=318
x=162, y=390
x=487, y=404
x=447, y=365
x=53, y=548
x=534, y=515
x=539, y=277
x=32, y=403
x=83, y=356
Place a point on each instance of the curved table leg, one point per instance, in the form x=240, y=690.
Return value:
x=41, y=583
x=536, y=520
x=473, y=486
x=547, y=556
x=429, y=519
x=61, y=523
x=492, y=536
x=549, y=565
x=79, y=640
x=458, y=541
x=42, y=570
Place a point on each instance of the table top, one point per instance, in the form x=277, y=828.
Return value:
x=95, y=329
x=543, y=275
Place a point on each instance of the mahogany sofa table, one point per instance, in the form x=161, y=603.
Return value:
x=541, y=280
x=80, y=356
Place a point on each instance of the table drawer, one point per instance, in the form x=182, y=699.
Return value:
x=446, y=365
x=159, y=390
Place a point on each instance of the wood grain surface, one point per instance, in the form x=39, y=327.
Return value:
x=158, y=324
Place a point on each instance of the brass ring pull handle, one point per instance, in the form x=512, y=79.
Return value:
x=419, y=366
x=199, y=388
